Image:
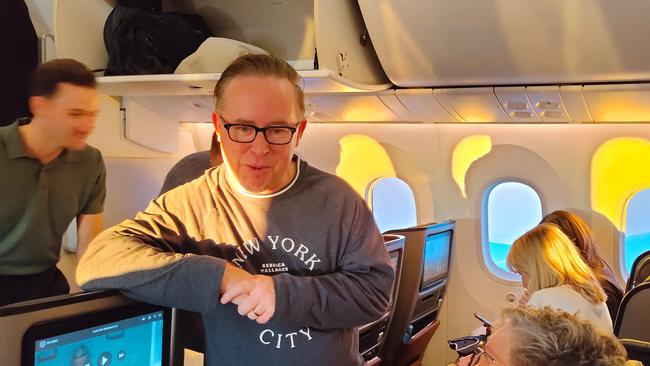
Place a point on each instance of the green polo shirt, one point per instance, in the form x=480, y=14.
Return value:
x=38, y=202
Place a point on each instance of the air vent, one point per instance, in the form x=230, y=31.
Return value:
x=552, y=114
x=516, y=106
x=521, y=114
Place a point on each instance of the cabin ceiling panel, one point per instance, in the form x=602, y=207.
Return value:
x=315, y=113
x=515, y=103
x=618, y=103
x=473, y=105
x=436, y=43
x=392, y=101
x=574, y=103
x=547, y=103
x=355, y=108
x=424, y=104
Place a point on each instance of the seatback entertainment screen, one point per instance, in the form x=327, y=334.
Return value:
x=436, y=258
x=118, y=338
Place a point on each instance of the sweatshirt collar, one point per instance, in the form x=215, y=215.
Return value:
x=239, y=189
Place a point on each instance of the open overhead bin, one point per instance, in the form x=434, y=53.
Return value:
x=323, y=40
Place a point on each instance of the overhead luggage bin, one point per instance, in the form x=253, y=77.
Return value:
x=618, y=103
x=438, y=43
x=323, y=40
x=473, y=105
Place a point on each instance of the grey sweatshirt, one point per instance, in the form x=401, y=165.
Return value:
x=317, y=238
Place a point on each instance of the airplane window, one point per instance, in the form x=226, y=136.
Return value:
x=636, y=234
x=512, y=208
x=392, y=203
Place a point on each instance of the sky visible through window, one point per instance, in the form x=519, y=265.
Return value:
x=637, y=227
x=513, y=208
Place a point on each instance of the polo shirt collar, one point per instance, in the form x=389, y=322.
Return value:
x=15, y=145
x=71, y=156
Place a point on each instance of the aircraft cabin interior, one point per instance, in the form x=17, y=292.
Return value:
x=462, y=124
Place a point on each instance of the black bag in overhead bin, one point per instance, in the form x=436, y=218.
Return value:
x=147, y=42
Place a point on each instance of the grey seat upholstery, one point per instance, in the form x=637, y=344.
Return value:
x=640, y=271
x=633, y=318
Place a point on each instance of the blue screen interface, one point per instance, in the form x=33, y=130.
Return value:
x=436, y=257
x=136, y=341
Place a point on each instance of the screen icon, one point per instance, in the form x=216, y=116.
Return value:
x=104, y=359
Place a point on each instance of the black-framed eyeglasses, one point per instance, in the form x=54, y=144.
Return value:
x=480, y=353
x=274, y=135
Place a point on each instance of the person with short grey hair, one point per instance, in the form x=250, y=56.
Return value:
x=528, y=336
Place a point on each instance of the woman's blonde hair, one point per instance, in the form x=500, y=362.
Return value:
x=578, y=231
x=549, y=258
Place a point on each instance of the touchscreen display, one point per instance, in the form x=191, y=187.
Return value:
x=136, y=341
x=436, y=257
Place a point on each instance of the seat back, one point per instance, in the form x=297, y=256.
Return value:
x=419, y=299
x=640, y=271
x=633, y=318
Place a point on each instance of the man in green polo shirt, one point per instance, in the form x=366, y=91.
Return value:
x=49, y=175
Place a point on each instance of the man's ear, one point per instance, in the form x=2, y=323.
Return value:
x=301, y=129
x=215, y=123
x=37, y=104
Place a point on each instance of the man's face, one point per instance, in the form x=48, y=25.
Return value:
x=68, y=115
x=259, y=101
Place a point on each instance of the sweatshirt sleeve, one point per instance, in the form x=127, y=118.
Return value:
x=356, y=294
x=150, y=259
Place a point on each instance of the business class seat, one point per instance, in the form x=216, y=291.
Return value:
x=640, y=271
x=633, y=318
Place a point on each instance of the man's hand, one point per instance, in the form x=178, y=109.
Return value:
x=254, y=295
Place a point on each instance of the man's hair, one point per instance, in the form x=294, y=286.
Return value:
x=549, y=337
x=578, y=231
x=49, y=75
x=550, y=259
x=260, y=65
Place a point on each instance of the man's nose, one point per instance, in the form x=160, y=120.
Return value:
x=259, y=144
x=88, y=124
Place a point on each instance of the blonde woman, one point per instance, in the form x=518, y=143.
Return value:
x=555, y=275
x=579, y=233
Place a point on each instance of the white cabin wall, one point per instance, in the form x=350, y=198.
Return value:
x=554, y=159
x=41, y=13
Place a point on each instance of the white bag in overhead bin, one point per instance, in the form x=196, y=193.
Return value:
x=214, y=55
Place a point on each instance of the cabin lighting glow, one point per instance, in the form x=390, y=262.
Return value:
x=362, y=160
x=621, y=112
x=619, y=168
x=466, y=152
x=363, y=113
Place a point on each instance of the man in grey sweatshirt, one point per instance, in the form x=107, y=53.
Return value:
x=282, y=260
